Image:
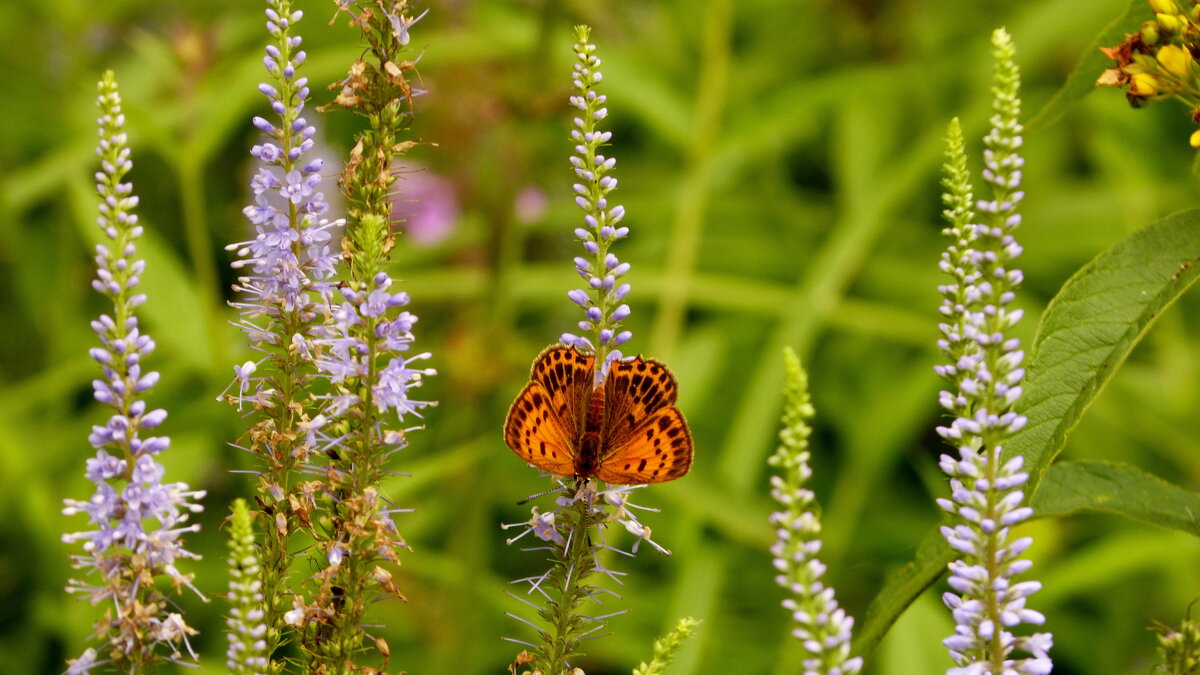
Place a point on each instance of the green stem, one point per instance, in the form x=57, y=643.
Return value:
x=712, y=90
x=574, y=565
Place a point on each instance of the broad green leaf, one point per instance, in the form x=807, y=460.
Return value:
x=1092, y=325
x=1085, y=334
x=1120, y=489
x=1082, y=80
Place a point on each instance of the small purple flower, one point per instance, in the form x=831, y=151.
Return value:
x=428, y=209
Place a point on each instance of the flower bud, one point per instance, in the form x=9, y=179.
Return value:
x=1169, y=22
x=1143, y=84
x=1149, y=33
x=1176, y=60
x=1195, y=139
x=1164, y=6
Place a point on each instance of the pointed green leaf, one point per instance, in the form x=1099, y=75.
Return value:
x=1082, y=80
x=1120, y=489
x=901, y=588
x=1085, y=334
x=1092, y=325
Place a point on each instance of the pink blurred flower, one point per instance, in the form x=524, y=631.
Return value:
x=427, y=205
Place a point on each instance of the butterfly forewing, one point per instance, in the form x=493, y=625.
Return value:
x=634, y=390
x=545, y=422
x=567, y=375
x=645, y=438
x=537, y=434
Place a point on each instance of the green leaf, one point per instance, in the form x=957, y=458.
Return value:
x=1087, y=331
x=1120, y=489
x=1082, y=80
x=902, y=587
x=1091, y=326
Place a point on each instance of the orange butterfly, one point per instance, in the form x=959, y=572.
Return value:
x=627, y=431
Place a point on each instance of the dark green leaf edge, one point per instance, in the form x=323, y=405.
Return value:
x=1162, y=253
x=1082, y=80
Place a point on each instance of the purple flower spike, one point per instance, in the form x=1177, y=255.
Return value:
x=136, y=521
x=600, y=267
x=984, y=371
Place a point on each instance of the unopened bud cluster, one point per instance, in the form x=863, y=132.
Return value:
x=1159, y=61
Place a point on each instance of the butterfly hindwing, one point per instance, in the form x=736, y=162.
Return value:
x=660, y=449
x=644, y=437
x=538, y=434
x=634, y=390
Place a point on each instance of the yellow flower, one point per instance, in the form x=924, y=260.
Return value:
x=1176, y=60
x=1169, y=22
x=1143, y=84
x=1195, y=139
x=1164, y=6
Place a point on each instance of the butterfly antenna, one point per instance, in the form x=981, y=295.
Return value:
x=530, y=498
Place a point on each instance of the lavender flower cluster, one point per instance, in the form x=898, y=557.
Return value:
x=601, y=301
x=137, y=520
x=372, y=314
x=985, y=369
x=290, y=259
x=823, y=628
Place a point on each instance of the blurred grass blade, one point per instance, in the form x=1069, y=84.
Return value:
x=1120, y=489
x=1087, y=331
x=1082, y=80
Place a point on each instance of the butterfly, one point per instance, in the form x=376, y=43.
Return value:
x=627, y=431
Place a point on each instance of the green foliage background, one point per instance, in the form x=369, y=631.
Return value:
x=779, y=161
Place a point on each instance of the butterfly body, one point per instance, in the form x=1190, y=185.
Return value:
x=627, y=431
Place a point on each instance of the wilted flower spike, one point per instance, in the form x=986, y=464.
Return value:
x=984, y=369
x=136, y=520
x=822, y=627
x=363, y=355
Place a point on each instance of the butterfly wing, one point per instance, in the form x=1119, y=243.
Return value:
x=546, y=420
x=567, y=375
x=537, y=434
x=644, y=437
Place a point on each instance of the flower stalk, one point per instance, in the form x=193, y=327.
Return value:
x=984, y=372
x=575, y=529
x=247, y=653
x=823, y=628
x=363, y=358
x=286, y=278
x=137, y=521
x=600, y=268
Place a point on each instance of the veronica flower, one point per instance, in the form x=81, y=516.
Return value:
x=821, y=626
x=985, y=372
x=136, y=520
x=367, y=372
x=601, y=301
x=284, y=289
x=575, y=531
